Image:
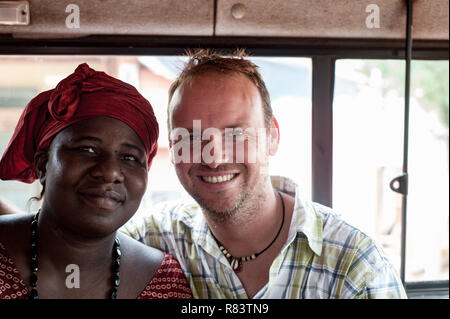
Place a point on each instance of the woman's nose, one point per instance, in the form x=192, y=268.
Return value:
x=108, y=169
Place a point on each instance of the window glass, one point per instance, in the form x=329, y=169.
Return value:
x=368, y=115
x=288, y=81
x=427, y=231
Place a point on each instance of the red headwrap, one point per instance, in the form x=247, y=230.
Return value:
x=83, y=94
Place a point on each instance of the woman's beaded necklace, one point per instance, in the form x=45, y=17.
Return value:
x=34, y=265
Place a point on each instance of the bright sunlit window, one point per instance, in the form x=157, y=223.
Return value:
x=368, y=112
x=288, y=81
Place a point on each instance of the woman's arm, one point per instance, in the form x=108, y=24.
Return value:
x=7, y=207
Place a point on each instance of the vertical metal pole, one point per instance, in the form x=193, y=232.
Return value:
x=409, y=14
x=322, y=129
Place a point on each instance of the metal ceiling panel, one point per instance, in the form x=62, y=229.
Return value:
x=49, y=18
x=332, y=19
x=351, y=19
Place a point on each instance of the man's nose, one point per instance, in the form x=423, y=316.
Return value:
x=108, y=169
x=220, y=153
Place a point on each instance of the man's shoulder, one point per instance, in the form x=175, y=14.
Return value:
x=357, y=256
x=344, y=240
x=336, y=228
x=168, y=219
x=322, y=223
x=340, y=236
x=184, y=211
x=163, y=216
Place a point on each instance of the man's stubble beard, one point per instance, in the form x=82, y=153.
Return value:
x=244, y=210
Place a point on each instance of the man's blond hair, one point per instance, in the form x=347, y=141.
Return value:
x=203, y=61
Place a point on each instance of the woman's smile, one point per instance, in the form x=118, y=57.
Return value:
x=100, y=198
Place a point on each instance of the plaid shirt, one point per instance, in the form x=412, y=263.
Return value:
x=324, y=257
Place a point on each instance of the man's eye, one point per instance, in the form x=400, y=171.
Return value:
x=237, y=133
x=195, y=138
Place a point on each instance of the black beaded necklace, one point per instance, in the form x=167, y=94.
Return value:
x=34, y=266
x=236, y=262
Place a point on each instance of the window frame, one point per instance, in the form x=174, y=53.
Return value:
x=323, y=53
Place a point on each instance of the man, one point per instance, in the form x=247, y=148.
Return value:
x=249, y=235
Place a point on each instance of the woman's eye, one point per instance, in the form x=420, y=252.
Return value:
x=86, y=149
x=130, y=158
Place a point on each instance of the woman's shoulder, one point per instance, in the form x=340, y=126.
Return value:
x=12, y=284
x=140, y=252
x=169, y=282
x=14, y=219
x=151, y=270
x=14, y=229
x=138, y=265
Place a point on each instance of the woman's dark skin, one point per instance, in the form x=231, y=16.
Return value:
x=95, y=174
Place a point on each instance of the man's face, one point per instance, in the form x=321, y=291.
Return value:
x=231, y=105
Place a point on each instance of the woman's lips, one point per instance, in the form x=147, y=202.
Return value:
x=103, y=199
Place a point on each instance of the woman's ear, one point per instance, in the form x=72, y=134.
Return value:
x=40, y=164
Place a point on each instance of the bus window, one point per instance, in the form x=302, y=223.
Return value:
x=25, y=76
x=368, y=114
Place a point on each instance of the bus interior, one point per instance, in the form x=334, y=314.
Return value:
x=360, y=90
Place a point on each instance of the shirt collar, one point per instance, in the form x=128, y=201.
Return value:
x=305, y=220
x=201, y=234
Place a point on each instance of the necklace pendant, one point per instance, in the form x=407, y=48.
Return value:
x=236, y=264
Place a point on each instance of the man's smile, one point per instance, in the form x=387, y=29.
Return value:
x=218, y=179
x=213, y=181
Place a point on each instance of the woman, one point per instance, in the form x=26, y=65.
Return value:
x=90, y=142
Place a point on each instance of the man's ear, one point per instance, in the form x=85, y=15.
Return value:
x=171, y=153
x=274, y=137
x=40, y=164
x=169, y=135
